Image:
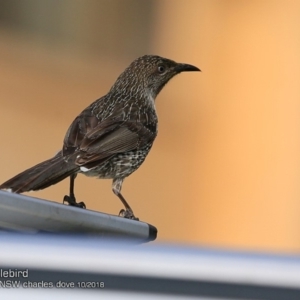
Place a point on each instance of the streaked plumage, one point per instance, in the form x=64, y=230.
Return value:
x=110, y=138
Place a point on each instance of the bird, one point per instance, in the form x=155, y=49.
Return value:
x=111, y=138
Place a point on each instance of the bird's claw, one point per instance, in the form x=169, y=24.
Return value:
x=127, y=214
x=72, y=202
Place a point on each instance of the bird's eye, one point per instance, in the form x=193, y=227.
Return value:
x=161, y=69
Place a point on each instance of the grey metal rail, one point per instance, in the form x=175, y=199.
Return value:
x=28, y=214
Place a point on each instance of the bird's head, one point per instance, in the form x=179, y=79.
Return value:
x=150, y=73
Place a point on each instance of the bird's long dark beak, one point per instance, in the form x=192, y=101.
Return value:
x=186, y=68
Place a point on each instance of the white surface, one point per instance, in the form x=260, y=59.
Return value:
x=154, y=271
x=118, y=259
x=32, y=294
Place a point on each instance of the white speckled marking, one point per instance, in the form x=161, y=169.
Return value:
x=84, y=169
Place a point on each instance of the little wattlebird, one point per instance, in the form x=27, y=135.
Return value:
x=110, y=138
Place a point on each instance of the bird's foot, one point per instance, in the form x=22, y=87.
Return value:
x=72, y=202
x=127, y=214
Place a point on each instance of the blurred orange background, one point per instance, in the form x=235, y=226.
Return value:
x=225, y=168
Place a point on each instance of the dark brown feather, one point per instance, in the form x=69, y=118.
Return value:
x=41, y=175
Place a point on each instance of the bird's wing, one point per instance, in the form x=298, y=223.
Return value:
x=105, y=141
x=83, y=124
x=91, y=140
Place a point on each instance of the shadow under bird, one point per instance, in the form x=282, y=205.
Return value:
x=111, y=137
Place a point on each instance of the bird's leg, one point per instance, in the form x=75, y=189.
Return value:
x=127, y=212
x=71, y=200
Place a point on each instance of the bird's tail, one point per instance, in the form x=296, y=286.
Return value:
x=41, y=176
